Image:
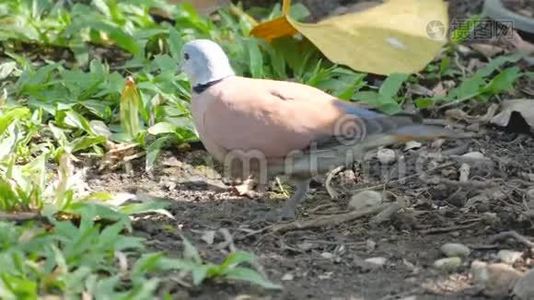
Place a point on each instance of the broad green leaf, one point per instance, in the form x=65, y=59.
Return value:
x=423, y=103
x=161, y=128
x=11, y=116
x=255, y=58
x=236, y=258
x=73, y=119
x=391, y=86
x=200, y=273
x=85, y=142
x=503, y=82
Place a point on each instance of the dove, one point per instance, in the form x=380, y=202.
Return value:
x=261, y=128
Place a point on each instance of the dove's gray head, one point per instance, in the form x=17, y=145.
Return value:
x=205, y=62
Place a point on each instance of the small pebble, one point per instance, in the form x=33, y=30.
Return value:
x=377, y=261
x=412, y=145
x=288, y=277
x=386, y=156
x=455, y=250
x=365, y=200
x=448, y=264
x=509, y=256
x=327, y=255
x=474, y=155
x=524, y=288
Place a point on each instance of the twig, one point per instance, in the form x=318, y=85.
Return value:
x=20, y=216
x=467, y=184
x=447, y=229
x=402, y=179
x=512, y=234
x=281, y=187
x=327, y=220
x=331, y=191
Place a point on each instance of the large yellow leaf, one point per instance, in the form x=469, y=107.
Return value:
x=399, y=36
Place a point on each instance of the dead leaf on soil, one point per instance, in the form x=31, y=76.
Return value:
x=521, y=45
x=246, y=188
x=488, y=50
x=119, y=154
x=523, y=108
x=460, y=115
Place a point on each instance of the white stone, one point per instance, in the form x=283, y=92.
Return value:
x=386, y=156
x=455, y=250
x=448, y=264
x=365, y=200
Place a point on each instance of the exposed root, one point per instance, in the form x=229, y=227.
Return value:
x=330, y=220
x=512, y=234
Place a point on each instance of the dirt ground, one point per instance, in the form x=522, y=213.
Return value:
x=329, y=262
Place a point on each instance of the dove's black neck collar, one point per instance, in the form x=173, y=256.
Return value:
x=201, y=87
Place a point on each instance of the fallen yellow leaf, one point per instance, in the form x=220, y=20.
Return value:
x=399, y=36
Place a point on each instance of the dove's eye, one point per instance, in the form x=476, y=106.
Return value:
x=186, y=56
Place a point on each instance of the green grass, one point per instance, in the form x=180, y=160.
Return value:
x=64, y=96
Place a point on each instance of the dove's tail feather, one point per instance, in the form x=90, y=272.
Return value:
x=421, y=132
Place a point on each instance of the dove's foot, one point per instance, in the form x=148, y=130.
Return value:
x=288, y=211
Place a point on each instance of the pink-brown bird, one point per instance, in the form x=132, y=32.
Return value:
x=264, y=128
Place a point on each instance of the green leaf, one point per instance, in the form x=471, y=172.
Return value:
x=11, y=116
x=121, y=38
x=496, y=63
x=73, y=119
x=462, y=32
x=369, y=97
x=422, y=103
x=503, y=82
x=175, y=43
x=255, y=58
x=391, y=86
x=190, y=252
x=153, y=150
x=161, y=128
x=236, y=258
x=249, y=275
x=85, y=142
x=129, y=109
x=199, y=274
x=146, y=207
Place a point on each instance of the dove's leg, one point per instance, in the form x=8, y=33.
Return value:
x=288, y=211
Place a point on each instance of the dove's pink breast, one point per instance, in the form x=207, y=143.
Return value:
x=273, y=117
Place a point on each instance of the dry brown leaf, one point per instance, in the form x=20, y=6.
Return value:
x=487, y=50
x=522, y=45
x=524, y=107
